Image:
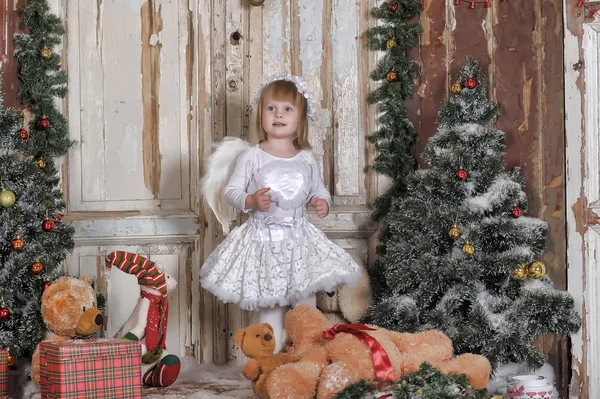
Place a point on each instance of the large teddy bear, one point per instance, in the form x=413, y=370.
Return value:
x=333, y=358
x=148, y=321
x=346, y=305
x=69, y=310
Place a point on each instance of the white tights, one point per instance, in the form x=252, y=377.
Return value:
x=276, y=316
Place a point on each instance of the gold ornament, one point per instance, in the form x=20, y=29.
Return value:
x=390, y=43
x=7, y=198
x=41, y=163
x=468, y=249
x=536, y=270
x=392, y=76
x=454, y=232
x=18, y=244
x=46, y=53
x=520, y=272
x=11, y=360
x=456, y=88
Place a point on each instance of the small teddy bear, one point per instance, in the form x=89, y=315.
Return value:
x=148, y=321
x=70, y=310
x=257, y=343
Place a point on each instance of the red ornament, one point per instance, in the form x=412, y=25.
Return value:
x=48, y=225
x=4, y=314
x=57, y=218
x=470, y=83
x=472, y=5
x=393, y=7
x=516, y=212
x=18, y=244
x=456, y=2
x=461, y=174
x=46, y=285
x=24, y=134
x=44, y=123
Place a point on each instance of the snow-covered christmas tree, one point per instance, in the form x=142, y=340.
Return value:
x=34, y=240
x=461, y=255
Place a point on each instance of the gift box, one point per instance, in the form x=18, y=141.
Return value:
x=98, y=369
x=3, y=374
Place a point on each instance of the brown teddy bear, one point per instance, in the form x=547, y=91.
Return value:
x=346, y=305
x=257, y=342
x=69, y=310
x=332, y=359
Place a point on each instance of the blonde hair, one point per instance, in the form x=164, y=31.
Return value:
x=283, y=90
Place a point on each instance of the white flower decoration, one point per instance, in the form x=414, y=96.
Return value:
x=301, y=85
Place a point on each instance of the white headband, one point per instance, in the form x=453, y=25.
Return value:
x=300, y=85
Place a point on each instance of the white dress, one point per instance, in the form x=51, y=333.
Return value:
x=276, y=258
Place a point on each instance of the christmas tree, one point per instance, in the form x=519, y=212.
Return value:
x=461, y=256
x=396, y=136
x=33, y=239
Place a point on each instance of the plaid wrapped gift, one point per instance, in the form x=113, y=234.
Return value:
x=3, y=373
x=98, y=369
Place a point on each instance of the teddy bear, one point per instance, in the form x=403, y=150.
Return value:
x=148, y=320
x=69, y=310
x=346, y=305
x=258, y=343
x=334, y=357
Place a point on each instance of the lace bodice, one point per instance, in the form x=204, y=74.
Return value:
x=293, y=183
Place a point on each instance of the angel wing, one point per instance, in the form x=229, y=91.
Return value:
x=219, y=168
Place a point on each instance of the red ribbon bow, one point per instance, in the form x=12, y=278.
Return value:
x=381, y=362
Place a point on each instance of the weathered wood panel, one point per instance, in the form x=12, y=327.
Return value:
x=10, y=23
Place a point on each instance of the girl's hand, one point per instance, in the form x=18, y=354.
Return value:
x=321, y=207
x=259, y=200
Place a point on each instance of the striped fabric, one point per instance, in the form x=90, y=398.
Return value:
x=91, y=369
x=3, y=374
x=144, y=269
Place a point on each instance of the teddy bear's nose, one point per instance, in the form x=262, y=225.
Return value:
x=268, y=337
x=98, y=320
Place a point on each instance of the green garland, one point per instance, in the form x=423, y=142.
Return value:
x=396, y=136
x=427, y=383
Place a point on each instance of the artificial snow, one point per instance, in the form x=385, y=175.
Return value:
x=195, y=382
x=498, y=191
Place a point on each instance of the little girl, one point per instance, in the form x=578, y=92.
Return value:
x=277, y=257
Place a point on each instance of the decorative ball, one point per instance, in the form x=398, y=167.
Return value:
x=18, y=244
x=470, y=83
x=392, y=76
x=11, y=360
x=46, y=53
x=4, y=313
x=516, y=212
x=24, y=134
x=520, y=272
x=390, y=43
x=48, y=225
x=43, y=123
x=393, y=7
x=57, y=218
x=256, y=3
x=454, y=232
x=536, y=270
x=37, y=268
x=7, y=198
x=461, y=174
x=468, y=249
x=46, y=285
x=41, y=163
x=456, y=88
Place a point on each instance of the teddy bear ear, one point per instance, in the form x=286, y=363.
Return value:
x=268, y=326
x=87, y=279
x=239, y=337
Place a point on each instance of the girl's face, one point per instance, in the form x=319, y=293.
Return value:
x=279, y=118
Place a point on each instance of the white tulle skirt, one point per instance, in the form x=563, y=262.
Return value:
x=276, y=263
